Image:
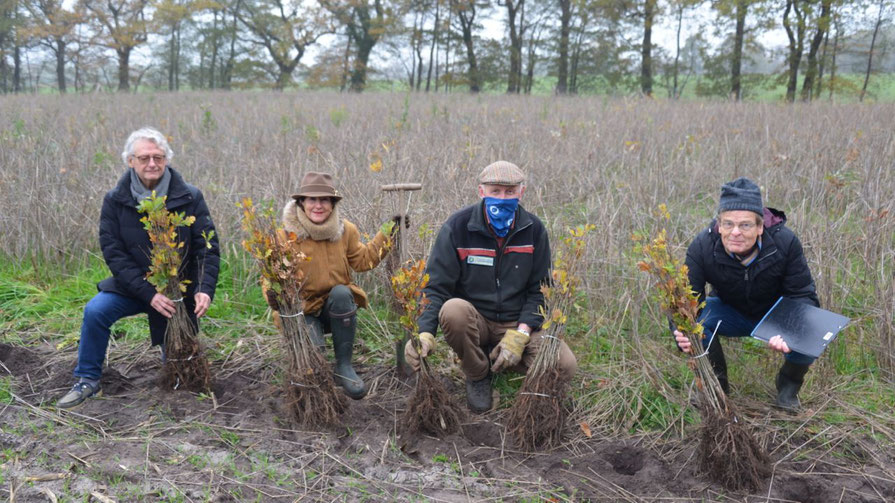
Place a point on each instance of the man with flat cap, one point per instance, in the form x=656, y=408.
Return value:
x=485, y=274
x=751, y=259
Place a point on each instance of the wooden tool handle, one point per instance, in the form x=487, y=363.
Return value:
x=401, y=186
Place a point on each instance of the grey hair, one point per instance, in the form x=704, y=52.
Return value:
x=146, y=133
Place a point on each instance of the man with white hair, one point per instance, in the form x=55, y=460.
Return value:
x=485, y=271
x=126, y=250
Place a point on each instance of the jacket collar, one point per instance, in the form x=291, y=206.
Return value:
x=295, y=221
x=178, y=190
x=477, y=221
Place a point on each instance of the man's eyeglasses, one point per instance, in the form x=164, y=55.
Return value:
x=144, y=159
x=743, y=226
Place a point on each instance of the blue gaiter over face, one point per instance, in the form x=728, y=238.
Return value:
x=501, y=213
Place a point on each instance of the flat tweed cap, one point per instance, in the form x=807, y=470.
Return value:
x=740, y=194
x=315, y=184
x=501, y=173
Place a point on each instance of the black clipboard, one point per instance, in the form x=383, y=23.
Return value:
x=805, y=328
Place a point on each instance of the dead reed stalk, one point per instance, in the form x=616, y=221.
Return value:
x=311, y=396
x=728, y=452
x=538, y=416
x=186, y=366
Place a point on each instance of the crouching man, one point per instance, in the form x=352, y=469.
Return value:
x=485, y=274
x=751, y=259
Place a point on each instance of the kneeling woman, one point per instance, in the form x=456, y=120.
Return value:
x=330, y=298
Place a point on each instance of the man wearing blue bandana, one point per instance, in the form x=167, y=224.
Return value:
x=485, y=273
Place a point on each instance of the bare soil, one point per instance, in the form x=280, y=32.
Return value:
x=140, y=443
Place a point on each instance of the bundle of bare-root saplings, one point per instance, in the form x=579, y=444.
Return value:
x=431, y=408
x=728, y=452
x=186, y=366
x=538, y=416
x=311, y=396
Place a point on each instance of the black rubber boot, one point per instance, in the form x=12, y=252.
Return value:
x=343, y=329
x=719, y=364
x=789, y=382
x=478, y=395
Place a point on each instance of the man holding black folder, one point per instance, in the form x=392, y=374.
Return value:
x=751, y=259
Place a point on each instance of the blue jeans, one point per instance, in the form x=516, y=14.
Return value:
x=735, y=324
x=100, y=314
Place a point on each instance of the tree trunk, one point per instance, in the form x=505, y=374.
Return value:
x=677, y=50
x=646, y=48
x=565, y=24
x=823, y=24
x=513, y=83
x=466, y=25
x=17, y=68
x=172, y=52
x=879, y=20
x=60, y=65
x=344, y=80
x=832, y=78
x=359, y=73
x=212, y=66
x=736, y=91
x=434, y=43
x=796, y=43
x=821, y=67
x=227, y=74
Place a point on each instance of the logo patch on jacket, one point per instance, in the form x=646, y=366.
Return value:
x=479, y=260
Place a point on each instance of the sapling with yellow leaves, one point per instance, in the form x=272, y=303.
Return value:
x=728, y=452
x=186, y=366
x=538, y=416
x=312, y=399
x=431, y=408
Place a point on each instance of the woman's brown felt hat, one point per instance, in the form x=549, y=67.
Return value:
x=315, y=184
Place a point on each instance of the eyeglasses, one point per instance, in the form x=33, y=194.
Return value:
x=743, y=226
x=144, y=159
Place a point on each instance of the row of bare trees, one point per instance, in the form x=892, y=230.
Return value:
x=435, y=44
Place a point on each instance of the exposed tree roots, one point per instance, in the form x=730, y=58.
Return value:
x=730, y=455
x=537, y=418
x=311, y=396
x=186, y=366
x=431, y=408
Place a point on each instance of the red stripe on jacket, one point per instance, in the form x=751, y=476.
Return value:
x=530, y=249
x=478, y=252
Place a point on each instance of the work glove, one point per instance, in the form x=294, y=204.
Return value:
x=271, y=297
x=427, y=344
x=397, y=220
x=509, y=351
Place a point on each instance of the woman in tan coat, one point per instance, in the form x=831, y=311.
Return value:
x=330, y=297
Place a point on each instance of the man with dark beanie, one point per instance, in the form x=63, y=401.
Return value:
x=751, y=259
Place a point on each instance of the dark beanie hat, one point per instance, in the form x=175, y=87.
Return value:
x=741, y=194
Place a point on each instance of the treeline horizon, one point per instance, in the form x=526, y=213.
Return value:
x=565, y=47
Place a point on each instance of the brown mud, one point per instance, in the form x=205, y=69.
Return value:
x=138, y=442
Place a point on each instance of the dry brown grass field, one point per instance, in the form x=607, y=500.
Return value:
x=631, y=435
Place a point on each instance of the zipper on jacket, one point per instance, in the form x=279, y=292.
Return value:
x=497, y=264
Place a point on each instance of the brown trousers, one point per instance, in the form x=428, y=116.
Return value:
x=473, y=337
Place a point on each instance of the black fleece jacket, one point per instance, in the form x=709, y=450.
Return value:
x=502, y=282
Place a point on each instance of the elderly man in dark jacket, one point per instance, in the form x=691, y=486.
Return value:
x=126, y=248
x=485, y=274
x=751, y=259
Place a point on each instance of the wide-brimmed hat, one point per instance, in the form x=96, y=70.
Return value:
x=501, y=173
x=315, y=184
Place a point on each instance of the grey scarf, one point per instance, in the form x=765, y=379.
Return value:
x=140, y=192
